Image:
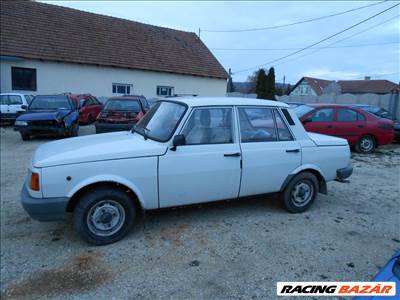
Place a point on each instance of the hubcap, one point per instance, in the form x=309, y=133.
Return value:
x=366, y=144
x=105, y=218
x=302, y=193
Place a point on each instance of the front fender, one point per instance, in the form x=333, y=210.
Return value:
x=108, y=178
x=71, y=118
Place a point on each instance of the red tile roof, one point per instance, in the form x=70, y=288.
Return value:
x=317, y=84
x=43, y=31
x=367, y=86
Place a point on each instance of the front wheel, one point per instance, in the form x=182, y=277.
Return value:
x=104, y=216
x=366, y=144
x=300, y=193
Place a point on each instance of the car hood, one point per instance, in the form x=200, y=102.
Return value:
x=116, y=145
x=43, y=115
x=326, y=140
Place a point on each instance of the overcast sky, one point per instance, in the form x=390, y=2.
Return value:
x=378, y=61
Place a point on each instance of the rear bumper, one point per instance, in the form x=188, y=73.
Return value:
x=110, y=127
x=343, y=173
x=44, y=209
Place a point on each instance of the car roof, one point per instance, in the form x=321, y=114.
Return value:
x=13, y=94
x=210, y=101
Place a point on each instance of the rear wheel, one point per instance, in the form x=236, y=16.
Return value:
x=104, y=216
x=366, y=144
x=300, y=193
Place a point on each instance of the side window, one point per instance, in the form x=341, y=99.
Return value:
x=14, y=100
x=209, y=126
x=3, y=99
x=257, y=125
x=323, y=115
x=283, y=132
x=349, y=115
x=23, y=79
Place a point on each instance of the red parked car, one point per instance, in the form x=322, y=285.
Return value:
x=361, y=129
x=89, y=107
x=121, y=113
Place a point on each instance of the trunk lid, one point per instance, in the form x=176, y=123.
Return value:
x=326, y=140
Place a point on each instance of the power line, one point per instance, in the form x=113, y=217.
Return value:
x=341, y=40
x=295, y=23
x=281, y=49
x=320, y=41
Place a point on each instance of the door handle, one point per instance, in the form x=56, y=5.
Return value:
x=360, y=126
x=329, y=126
x=237, y=154
x=293, y=150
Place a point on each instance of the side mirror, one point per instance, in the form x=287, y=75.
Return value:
x=24, y=107
x=178, y=140
x=308, y=120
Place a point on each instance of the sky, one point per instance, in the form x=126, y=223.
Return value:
x=373, y=50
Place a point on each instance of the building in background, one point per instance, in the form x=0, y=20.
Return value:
x=49, y=49
x=308, y=86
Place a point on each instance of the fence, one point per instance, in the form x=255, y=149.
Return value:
x=389, y=102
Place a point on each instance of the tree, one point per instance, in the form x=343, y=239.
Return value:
x=270, y=85
x=261, y=84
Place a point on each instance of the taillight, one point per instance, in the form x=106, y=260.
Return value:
x=35, y=181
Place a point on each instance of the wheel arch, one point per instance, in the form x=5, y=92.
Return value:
x=74, y=199
x=322, y=187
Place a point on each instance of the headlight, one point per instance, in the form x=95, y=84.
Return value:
x=21, y=123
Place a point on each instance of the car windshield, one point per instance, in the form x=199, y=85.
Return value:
x=160, y=122
x=302, y=110
x=122, y=104
x=50, y=102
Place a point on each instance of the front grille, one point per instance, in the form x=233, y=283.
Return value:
x=43, y=123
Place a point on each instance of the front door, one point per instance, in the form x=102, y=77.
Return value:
x=207, y=168
x=14, y=104
x=321, y=121
x=269, y=151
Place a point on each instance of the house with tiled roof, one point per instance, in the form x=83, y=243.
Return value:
x=309, y=86
x=46, y=48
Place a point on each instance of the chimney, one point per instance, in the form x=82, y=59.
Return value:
x=367, y=78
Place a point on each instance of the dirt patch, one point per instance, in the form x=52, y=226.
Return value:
x=85, y=272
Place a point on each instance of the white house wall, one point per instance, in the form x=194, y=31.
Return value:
x=53, y=77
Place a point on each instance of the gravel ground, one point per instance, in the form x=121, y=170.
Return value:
x=235, y=249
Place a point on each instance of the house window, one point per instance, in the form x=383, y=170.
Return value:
x=122, y=88
x=23, y=79
x=165, y=90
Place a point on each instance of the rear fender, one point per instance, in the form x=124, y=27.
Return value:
x=312, y=169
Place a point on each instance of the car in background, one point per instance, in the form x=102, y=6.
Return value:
x=49, y=114
x=389, y=273
x=382, y=113
x=121, y=113
x=12, y=105
x=361, y=129
x=89, y=107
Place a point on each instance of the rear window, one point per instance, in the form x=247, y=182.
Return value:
x=124, y=105
x=50, y=102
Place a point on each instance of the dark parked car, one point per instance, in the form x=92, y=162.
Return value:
x=89, y=107
x=49, y=114
x=382, y=113
x=121, y=113
x=361, y=129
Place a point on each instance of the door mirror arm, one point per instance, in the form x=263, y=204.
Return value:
x=179, y=140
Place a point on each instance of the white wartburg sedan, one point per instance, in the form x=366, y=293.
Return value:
x=186, y=151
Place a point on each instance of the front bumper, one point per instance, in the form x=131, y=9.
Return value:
x=110, y=127
x=44, y=209
x=342, y=174
x=41, y=129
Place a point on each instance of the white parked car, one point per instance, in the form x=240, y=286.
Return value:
x=185, y=151
x=12, y=104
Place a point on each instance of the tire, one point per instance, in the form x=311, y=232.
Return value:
x=366, y=144
x=300, y=193
x=90, y=220
x=91, y=119
x=25, y=136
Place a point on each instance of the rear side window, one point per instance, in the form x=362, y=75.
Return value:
x=349, y=115
x=3, y=99
x=283, y=132
x=257, y=125
x=323, y=115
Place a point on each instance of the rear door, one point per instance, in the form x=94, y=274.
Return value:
x=269, y=150
x=322, y=120
x=349, y=124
